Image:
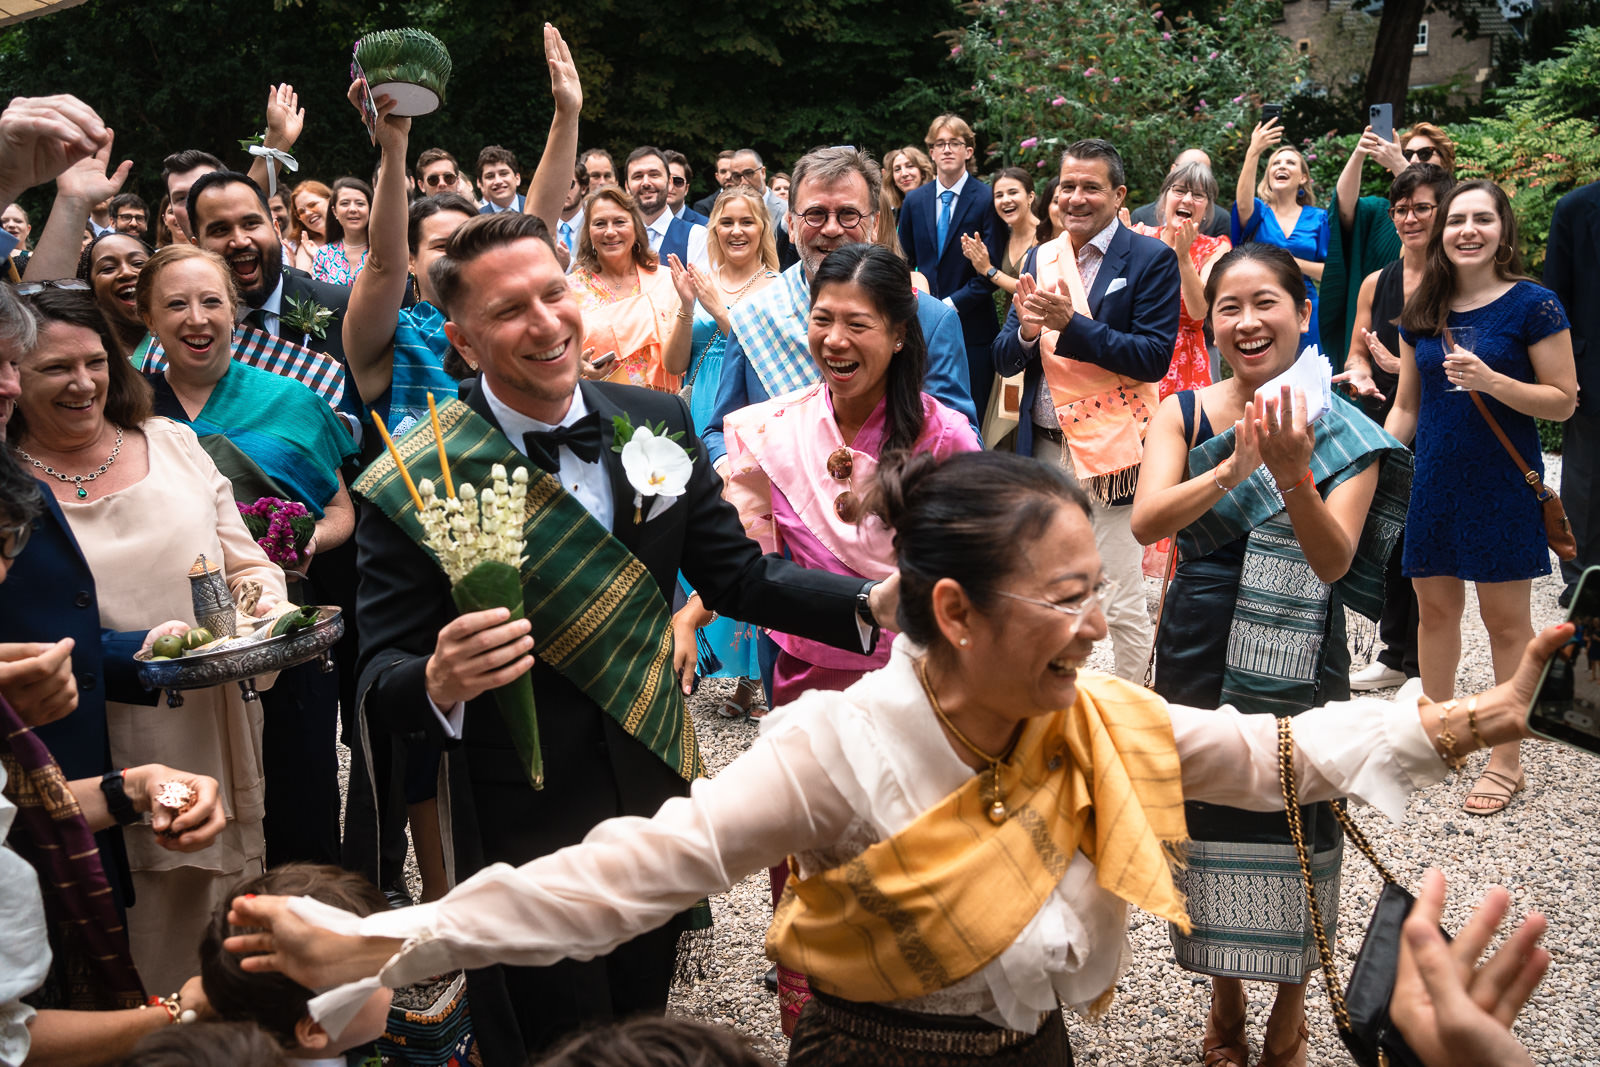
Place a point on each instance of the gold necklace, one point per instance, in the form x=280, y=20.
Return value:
x=997, y=805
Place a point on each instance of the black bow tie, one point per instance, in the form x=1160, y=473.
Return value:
x=582, y=437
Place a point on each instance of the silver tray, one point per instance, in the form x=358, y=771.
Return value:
x=245, y=662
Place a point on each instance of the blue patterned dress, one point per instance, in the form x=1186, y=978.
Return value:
x=1472, y=516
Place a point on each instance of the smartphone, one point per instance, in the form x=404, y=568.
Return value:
x=1270, y=112
x=603, y=361
x=369, y=110
x=1566, y=706
x=1381, y=118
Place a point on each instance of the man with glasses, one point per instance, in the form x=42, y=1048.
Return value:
x=648, y=182
x=679, y=175
x=129, y=215
x=834, y=193
x=746, y=168
x=932, y=222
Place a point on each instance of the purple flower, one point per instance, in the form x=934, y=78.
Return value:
x=1030, y=142
x=1213, y=55
x=1058, y=101
x=1203, y=102
x=1157, y=16
x=1040, y=164
x=955, y=50
x=1090, y=72
x=1117, y=80
x=1227, y=125
x=1166, y=36
x=1239, y=99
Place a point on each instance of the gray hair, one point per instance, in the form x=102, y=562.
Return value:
x=1101, y=149
x=752, y=152
x=19, y=330
x=1197, y=178
x=829, y=166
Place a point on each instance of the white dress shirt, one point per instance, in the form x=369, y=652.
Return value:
x=272, y=306
x=588, y=481
x=697, y=239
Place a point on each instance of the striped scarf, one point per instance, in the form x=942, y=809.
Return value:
x=598, y=617
x=771, y=327
x=253, y=347
x=420, y=345
x=1275, y=649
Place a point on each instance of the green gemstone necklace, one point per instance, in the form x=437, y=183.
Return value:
x=77, y=479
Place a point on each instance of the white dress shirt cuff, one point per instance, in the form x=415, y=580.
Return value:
x=450, y=718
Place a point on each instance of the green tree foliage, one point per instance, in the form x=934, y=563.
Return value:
x=778, y=76
x=1047, y=72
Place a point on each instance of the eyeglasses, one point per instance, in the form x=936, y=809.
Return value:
x=841, y=461
x=678, y=183
x=1421, y=211
x=1425, y=154
x=817, y=217
x=1102, y=591
x=949, y=146
x=66, y=285
x=441, y=179
x=130, y=218
x=747, y=173
x=14, y=538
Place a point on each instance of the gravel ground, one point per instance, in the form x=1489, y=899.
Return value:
x=1539, y=848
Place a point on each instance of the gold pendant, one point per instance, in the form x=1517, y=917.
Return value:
x=997, y=812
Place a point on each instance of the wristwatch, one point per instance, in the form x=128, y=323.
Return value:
x=117, y=801
x=864, y=605
x=991, y=272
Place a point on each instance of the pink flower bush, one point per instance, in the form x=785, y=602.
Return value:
x=1030, y=142
x=1058, y=101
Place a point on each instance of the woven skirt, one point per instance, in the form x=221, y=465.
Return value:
x=834, y=1031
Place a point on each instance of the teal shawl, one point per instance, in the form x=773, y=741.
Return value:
x=282, y=427
x=1280, y=616
x=1371, y=244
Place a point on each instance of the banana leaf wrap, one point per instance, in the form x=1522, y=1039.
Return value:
x=408, y=55
x=492, y=584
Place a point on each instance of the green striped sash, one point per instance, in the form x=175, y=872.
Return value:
x=597, y=616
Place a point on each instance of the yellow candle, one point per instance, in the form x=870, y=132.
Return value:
x=438, y=439
x=383, y=432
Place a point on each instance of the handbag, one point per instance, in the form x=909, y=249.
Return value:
x=1557, y=527
x=1361, y=1012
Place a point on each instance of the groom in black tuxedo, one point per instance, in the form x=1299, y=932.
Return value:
x=424, y=669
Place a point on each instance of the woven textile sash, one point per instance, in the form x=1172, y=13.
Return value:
x=93, y=966
x=771, y=328
x=597, y=615
x=318, y=371
x=1275, y=649
x=420, y=345
x=1103, y=416
x=939, y=900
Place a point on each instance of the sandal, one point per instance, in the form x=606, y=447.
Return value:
x=1289, y=1057
x=1225, y=1046
x=734, y=708
x=1502, y=787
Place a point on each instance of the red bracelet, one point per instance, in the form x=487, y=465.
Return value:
x=1303, y=479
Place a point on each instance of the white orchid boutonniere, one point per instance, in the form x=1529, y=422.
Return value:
x=655, y=463
x=307, y=316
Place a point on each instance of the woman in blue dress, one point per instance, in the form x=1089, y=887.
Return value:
x=1472, y=517
x=744, y=258
x=1282, y=210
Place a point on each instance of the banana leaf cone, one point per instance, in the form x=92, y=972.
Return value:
x=498, y=585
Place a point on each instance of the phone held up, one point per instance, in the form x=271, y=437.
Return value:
x=1566, y=706
x=1270, y=112
x=1381, y=118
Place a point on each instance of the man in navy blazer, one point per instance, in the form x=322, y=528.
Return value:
x=1570, y=270
x=933, y=220
x=1132, y=287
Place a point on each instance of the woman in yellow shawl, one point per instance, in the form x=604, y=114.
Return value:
x=631, y=309
x=968, y=825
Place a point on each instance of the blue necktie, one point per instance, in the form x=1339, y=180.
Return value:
x=946, y=198
x=566, y=236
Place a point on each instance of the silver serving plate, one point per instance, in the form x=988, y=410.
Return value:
x=242, y=664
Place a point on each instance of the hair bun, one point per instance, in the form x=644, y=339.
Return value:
x=900, y=475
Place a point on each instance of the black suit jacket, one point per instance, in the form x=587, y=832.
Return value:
x=594, y=770
x=1570, y=271
x=300, y=285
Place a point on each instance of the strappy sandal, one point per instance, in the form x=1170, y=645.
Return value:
x=1502, y=788
x=1289, y=1057
x=1225, y=1046
x=734, y=708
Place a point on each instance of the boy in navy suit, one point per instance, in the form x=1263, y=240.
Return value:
x=932, y=220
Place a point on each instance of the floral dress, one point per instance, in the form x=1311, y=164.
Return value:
x=1191, y=362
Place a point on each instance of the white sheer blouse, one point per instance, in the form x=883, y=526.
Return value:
x=833, y=773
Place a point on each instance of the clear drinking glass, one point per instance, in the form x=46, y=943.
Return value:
x=1465, y=338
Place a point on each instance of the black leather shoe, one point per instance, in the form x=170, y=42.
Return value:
x=770, y=980
x=1565, y=599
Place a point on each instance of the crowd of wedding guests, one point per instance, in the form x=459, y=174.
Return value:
x=163, y=368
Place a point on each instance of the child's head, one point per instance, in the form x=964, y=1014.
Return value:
x=206, y=1045
x=275, y=1002
x=656, y=1041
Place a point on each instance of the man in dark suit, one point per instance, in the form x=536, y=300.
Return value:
x=1572, y=271
x=679, y=175
x=230, y=217
x=724, y=172
x=426, y=669
x=932, y=222
x=1147, y=214
x=1105, y=357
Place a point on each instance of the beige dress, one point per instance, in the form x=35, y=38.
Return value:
x=139, y=543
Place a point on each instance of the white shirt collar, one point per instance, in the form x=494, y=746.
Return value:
x=272, y=305
x=961, y=183
x=663, y=220
x=514, y=423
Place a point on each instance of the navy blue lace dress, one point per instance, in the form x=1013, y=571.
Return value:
x=1472, y=516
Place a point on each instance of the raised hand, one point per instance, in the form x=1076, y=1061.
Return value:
x=977, y=254
x=1246, y=449
x=42, y=136
x=394, y=131
x=1286, y=439
x=88, y=182
x=683, y=282
x=1381, y=356
x=565, y=88
x=1050, y=309
x=285, y=117
x=1183, y=237
x=1264, y=135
